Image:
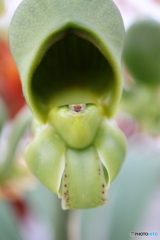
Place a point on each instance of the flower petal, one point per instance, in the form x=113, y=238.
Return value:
x=111, y=147
x=83, y=184
x=45, y=157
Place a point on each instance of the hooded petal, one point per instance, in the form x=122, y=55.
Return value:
x=68, y=52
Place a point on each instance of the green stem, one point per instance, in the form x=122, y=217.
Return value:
x=61, y=223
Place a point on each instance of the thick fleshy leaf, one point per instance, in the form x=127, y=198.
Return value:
x=45, y=157
x=73, y=58
x=111, y=146
x=142, y=51
x=83, y=184
x=77, y=128
x=9, y=228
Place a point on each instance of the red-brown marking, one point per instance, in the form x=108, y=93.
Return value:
x=77, y=108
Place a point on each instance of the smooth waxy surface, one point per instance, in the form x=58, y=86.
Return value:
x=45, y=157
x=79, y=176
x=69, y=56
x=77, y=47
x=77, y=128
x=111, y=146
x=83, y=183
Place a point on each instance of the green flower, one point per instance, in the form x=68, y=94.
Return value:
x=69, y=57
x=77, y=154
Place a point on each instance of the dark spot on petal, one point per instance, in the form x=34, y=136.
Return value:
x=103, y=199
x=103, y=185
x=65, y=185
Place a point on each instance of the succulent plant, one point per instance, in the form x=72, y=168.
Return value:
x=142, y=51
x=142, y=58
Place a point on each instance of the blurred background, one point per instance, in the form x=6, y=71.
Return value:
x=28, y=210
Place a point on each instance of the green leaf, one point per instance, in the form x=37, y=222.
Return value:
x=142, y=51
x=8, y=223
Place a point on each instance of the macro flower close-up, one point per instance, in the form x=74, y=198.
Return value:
x=79, y=119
